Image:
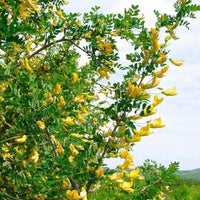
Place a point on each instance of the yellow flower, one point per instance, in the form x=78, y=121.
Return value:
x=133, y=91
x=83, y=194
x=79, y=99
x=69, y=121
x=3, y=86
x=84, y=110
x=60, y=148
x=144, y=131
x=105, y=47
x=78, y=23
x=72, y=195
x=154, y=33
x=135, y=138
x=7, y=155
x=170, y=92
x=74, y=152
x=124, y=154
x=34, y=156
x=29, y=44
x=155, y=82
x=176, y=62
x=100, y=172
x=60, y=14
x=61, y=102
x=66, y=183
x=75, y=135
x=88, y=35
x=29, y=69
x=157, y=123
x=58, y=89
x=71, y=158
x=80, y=118
x=126, y=165
x=116, y=176
x=133, y=174
x=157, y=101
x=21, y=140
x=104, y=72
x=156, y=45
x=162, y=58
x=160, y=73
x=79, y=147
x=126, y=186
x=75, y=78
x=41, y=125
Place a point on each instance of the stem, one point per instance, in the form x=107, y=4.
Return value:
x=11, y=197
x=15, y=137
x=46, y=46
x=52, y=143
x=154, y=183
x=74, y=184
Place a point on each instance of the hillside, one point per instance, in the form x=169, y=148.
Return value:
x=187, y=174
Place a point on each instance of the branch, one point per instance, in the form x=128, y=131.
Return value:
x=74, y=184
x=11, y=197
x=52, y=143
x=46, y=46
x=97, y=186
x=154, y=183
x=15, y=137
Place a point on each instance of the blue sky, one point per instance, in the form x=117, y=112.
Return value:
x=180, y=139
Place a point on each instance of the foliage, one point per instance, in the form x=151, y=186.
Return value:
x=155, y=182
x=190, y=174
x=60, y=119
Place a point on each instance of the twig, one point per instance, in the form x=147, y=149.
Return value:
x=154, y=183
x=15, y=137
x=11, y=197
x=52, y=143
x=74, y=184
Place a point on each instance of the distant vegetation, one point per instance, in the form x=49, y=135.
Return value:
x=190, y=174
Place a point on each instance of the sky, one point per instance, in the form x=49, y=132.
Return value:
x=180, y=140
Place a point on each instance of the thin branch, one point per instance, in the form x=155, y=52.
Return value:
x=12, y=138
x=74, y=184
x=11, y=197
x=97, y=186
x=51, y=141
x=154, y=183
x=47, y=45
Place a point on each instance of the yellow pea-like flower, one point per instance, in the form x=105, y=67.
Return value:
x=74, y=78
x=116, y=176
x=100, y=172
x=21, y=139
x=157, y=101
x=78, y=23
x=34, y=156
x=61, y=102
x=60, y=148
x=170, y=92
x=157, y=123
x=133, y=174
x=41, y=125
x=58, y=89
x=29, y=69
x=176, y=62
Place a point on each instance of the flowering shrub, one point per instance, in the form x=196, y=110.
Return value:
x=60, y=119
